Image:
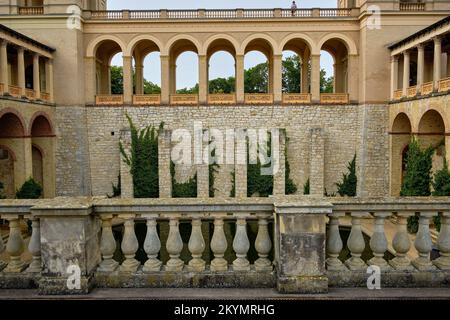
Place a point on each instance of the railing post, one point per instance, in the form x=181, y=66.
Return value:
x=378, y=242
x=197, y=246
x=241, y=245
x=107, y=246
x=129, y=246
x=277, y=13
x=401, y=244
x=315, y=12
x=3, y=264
x=126, y=14
x=34, y=247
x=174, y=246
x=423, y=243
x=164, y=14
x=69, y=245
x=263, y=245
x=239, y=13
x=356, y=244
x=301, y=242
x=443, y=262
x=219, y=246
x=15, y=246
x=152, y=245
x=334, y=243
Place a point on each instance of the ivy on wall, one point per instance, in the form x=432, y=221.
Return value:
x=291, y=187
x=307, y=187
x=143, y=160
x=347, y=187
x=185, y=189
x=213, y=169
x=257, y=184
x=2, y=195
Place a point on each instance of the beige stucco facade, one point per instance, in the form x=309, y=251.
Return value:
x=80, y=156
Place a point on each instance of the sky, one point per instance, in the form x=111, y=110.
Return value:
x=221, y=63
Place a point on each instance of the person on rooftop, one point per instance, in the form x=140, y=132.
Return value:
x=293, y=8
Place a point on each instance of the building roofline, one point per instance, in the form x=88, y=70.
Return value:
x=420, y=33
x=23, y=37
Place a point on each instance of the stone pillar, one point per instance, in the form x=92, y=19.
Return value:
x=21, y=69
x=127, y=80
x=352, y=79
x=317, y=162
x=125, y=174
x=70, y=246
x=305, y=76
x=437, y=62
x=139, y=78
x=315, y=78
x=394, y=75
x=36, y=77
x=240, y=92
x=165, y=178
x=203, y=80
x=300, y=241
x=173, y=77
x=28, y=158
x=49, y=79
x=202, y=164
x=240, y=172
x=165, y=80
x=277, y=78
x=90, y=78
x=406, y=62
x=279, y=160
x=420, y=65
x=4, y=66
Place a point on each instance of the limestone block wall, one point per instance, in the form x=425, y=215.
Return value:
x=347, y=130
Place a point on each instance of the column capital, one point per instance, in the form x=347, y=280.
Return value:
x=20, y=49
x=437, y=39
x=420, y=46
x=4, y=42
x=406, y=53
x=394, y=58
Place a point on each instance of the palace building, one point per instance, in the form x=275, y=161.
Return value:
x=62, y=123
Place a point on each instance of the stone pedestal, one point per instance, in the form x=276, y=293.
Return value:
x=300, y=242
x=70, y=238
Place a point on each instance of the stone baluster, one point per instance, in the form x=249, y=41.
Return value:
x=130, y=246
x=174, y=246
x=334, y=243
x=34, y=247
x=152, y=246
x=219, y=246
x=197, y=246
x=107, y=246
x=401, y=244
x=241, y=245
x=423, y=243
x=378, y=242
x=3, y=264
x=15, y=246
x=263, y=245
x=443, y=262
x=356, y=244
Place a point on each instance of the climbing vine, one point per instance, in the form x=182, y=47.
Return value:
x=291, y=187
x=2, y=195
x=185, y=189
x=258, y=184
x=213, y=169
x=143, y=160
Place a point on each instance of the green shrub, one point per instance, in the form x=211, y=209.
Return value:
x=441, y=188
x=258, y=184
x=2, y=195
x=183, y=190
x=349, y=181
x=29, y=190
x=117, y=189
x=143, y=160
x=307, y=187
x=291, y=187
x=417, y=180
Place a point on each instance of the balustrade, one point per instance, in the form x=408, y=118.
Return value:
x=398, y=94
x=334, y=98
x=427, y=88
x=31, y=10
x=444, y=85
x=415, y=6
x=411, y=92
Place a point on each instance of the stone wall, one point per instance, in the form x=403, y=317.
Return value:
x=347, y=130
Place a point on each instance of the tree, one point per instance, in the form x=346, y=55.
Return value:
x=151, y=88
x=441, y=187
x=29, y=190
x=256, y=79
x=222, y=85
x=291, y=74
x=193, y=90
x=326, y=84
x=116, y=80
x=417, y=180
x=349, y=181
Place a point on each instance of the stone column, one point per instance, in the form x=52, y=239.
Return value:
x=304, y=87
x=36, y=77
x=315, y=78
x=437, y=62
x=4, y=66
x=165, y=178
x=165, y=80
x=240, y=95
x=317, y=162
x=90, y=78
x=279, y=160
x=277, y=79
x=49, y=79
x=240, y=179
x=139, y=78
x=406, y=62
x=70, y=246
x=125, y=174
x=127, y=80
x=394, y=75
x=173, y=77
x=420, y=66
x=203, y=80
x=301, y=246
x=352, y=79
x=21, y=69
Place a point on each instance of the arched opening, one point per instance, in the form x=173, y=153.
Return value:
x=184, y=67
x=146, y=71
x=11, y=126
x=296, y=67
x=400, y=138
x=221, y=64
x=109, y=68
x=334, y=79
x=31, y=3
x=42, y=139
x=258, y=77
x=432, y=133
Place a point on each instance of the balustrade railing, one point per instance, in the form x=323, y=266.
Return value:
x=147, y=99
x=415, y=6
x=222, y=98
x=184, y=99
x=31, y=10
x=427, y=88
x=45, y=96
x=411, y=92
x=444, y=85
x=258, y=98
x=109, y=99
x=15, y=91
x=30, y=94
x=398, y=94
x=334, y=98
x=217, y=14
x=296, y=98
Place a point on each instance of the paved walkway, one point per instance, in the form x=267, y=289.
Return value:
x=235, y=294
